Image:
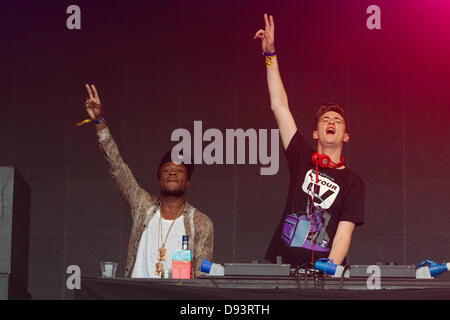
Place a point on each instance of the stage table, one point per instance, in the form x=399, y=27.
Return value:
x=259, y=288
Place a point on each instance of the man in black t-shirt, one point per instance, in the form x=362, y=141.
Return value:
x=325, y=200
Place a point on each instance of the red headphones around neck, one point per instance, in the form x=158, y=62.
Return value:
x=324, y=161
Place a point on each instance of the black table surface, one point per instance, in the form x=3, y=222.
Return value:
x=260, y=288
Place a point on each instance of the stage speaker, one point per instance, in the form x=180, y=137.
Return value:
x=14, y=234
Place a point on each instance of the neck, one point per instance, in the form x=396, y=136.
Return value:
x=171, y=206
x=333, y=152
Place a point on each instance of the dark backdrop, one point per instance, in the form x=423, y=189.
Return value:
x=160, y=65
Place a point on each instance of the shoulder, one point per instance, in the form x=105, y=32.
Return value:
x=150, y=199
x=298, y=153
x=298, y=142
x=201, y=220
x=354, y=179
x=145, y=203
x=352, y=182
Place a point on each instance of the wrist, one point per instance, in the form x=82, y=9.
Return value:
x=268, y=48
x=268, y=59
x=99, y=120
x=270, y=53
x=100, y=125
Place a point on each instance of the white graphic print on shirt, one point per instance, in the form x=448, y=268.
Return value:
x=326, y=189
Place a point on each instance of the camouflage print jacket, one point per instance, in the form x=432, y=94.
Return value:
x=143, y=207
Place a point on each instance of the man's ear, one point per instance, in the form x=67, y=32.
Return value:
x=346, y=137
x=315, y=135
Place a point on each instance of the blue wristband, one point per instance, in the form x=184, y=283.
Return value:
x=99, y=120
x=268, y=54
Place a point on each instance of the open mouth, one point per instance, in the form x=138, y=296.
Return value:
x=331, y=130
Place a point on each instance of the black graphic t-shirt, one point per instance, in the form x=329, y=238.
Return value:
x=338, y=196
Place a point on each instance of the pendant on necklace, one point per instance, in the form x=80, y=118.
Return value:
x=158, y=268
x=162, y=254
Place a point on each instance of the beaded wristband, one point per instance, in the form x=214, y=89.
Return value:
x=268, y=61
x=89, y=121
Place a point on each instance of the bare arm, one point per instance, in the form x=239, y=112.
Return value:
x=278, y=97
x=341, y=242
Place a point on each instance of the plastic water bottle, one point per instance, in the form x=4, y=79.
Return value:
x=212, y=269
x=185, y=242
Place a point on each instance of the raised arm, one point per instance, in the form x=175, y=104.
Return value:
x=278, y=97
x=130, y=190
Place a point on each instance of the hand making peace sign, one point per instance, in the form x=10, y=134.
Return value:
x=267, y=35
x=93, y=105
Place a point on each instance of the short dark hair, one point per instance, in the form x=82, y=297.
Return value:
x=331, y=106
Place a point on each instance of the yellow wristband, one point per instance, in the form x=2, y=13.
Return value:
x=83, y=122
